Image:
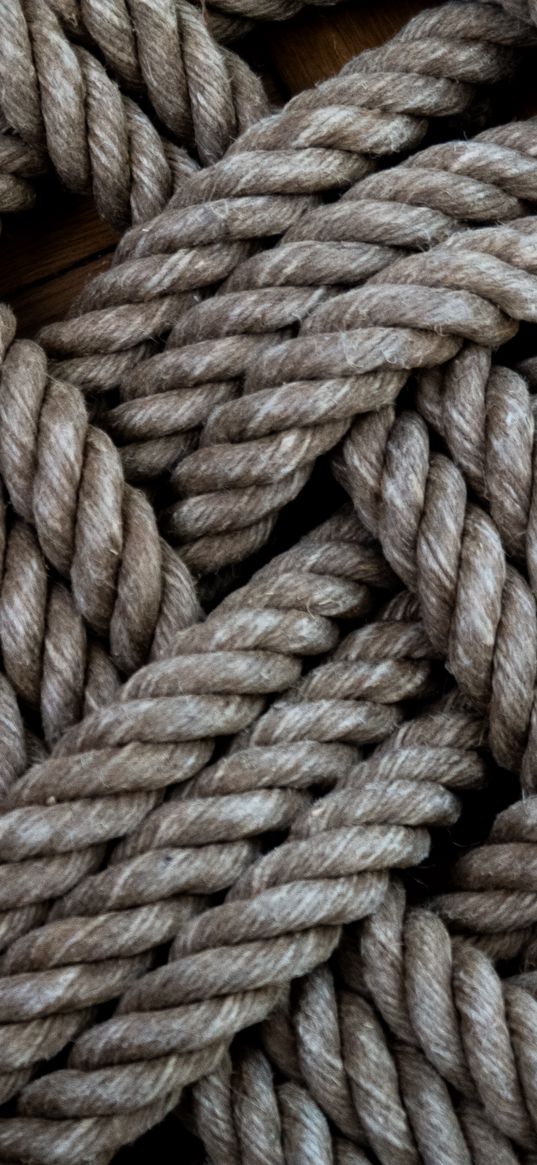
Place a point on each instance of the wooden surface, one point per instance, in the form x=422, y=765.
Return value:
x=49, y=253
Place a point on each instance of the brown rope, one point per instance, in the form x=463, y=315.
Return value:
x=112, y=27
x=474, y=1028
x=322, y=141
x=312, y=740
x=55, y=667
x=351, y=356
x=210, y=350
x=80, y=926
x=65, y=477
x=411, y=1118
x=228, y=964
x=64, y=106
x=225, y=344
x=241, y=1112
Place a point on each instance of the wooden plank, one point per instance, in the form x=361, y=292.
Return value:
x=318, y=42
x=42, y=303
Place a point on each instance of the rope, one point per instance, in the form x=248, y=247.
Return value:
x=190, y=819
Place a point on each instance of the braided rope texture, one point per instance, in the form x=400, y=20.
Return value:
x=260, y=817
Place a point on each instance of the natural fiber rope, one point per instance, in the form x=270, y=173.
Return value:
x=282, y=429
x=27, y=356
x=65, y=477
x=453, y=1021
x=111, y=27
x=333, y=1045
x=12, y=472
x=335, y=708
x=322, y=141
x=77, y=666
x=291, y=902
x=473, y=1028
x=485, y=414
x=56, y=668
x=351, y=356
x=494, y=886
x=242, y=1112
x=211, y=350
x=62, y=104
x=243, y=1108
x=277, y=911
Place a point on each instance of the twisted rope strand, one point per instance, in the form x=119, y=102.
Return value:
x=322, y=141
x=111, y=27
x=353, y=350
x=56, y=669
x=108, y=776
x=214, y=344
x=132, y=906
x=202, y=94
x=393, y=1094
x=478, y=611
x=494, y=886
x=65, y=477
x=18, y=163
x=328, y=1038
x=486, y=415
x=351, y=356
x=240, y=1113
x=410, y=1117
x=476, y=1029
x=62, y=103
x=228, y=965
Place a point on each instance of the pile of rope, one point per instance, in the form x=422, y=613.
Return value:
x=268, y=599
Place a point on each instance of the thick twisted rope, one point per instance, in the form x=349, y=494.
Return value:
x=409, y=1115
x=444, y=995
x=478, y=611
x=55, y=667
x=494, y=886
x=329, y=1038
x=64, y=106
x=129, y=907
x=129, y=924
x=486, y=416
x=227, y=967
x=127, y=584
x=242, y=1115
x=332, y=1043
x=13, y=479
x=510, y=286
x=371, y=471
x=322, y=141
x=18, y=164
x=351, y=356
x=214, y=345
x=65, y=477
x=112, y=27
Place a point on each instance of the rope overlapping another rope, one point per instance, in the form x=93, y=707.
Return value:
x=196, y=808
